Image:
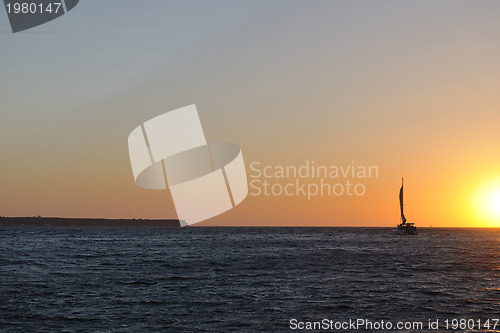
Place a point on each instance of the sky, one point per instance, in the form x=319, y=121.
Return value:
x=410, y=87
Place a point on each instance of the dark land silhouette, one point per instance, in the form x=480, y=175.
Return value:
x=38, y=221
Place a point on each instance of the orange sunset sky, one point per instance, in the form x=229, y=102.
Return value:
x=409, y=87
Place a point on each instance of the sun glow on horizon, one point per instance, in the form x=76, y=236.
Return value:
x=487, y=203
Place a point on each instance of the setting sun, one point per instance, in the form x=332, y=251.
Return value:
x=487, y=203
x=494, y=203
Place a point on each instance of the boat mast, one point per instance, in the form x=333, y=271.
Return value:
x=403, y=218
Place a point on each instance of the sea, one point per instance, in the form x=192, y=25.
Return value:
x=211, y=279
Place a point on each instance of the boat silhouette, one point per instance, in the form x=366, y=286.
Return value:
x=404, y=228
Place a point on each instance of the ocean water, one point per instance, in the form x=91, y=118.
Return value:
x=243, y=279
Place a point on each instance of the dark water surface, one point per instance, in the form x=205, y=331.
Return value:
x=241, y=279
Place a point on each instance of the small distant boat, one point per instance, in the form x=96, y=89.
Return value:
x=404, y=228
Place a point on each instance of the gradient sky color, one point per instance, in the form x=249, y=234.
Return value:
x=412, y=87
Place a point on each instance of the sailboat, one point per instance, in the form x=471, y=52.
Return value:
x=404, y=228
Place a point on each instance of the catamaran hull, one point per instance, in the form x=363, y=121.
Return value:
x=405, y=231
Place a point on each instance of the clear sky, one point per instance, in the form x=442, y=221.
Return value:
x=409, y=86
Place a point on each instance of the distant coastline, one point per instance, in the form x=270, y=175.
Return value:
x=38, y=221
